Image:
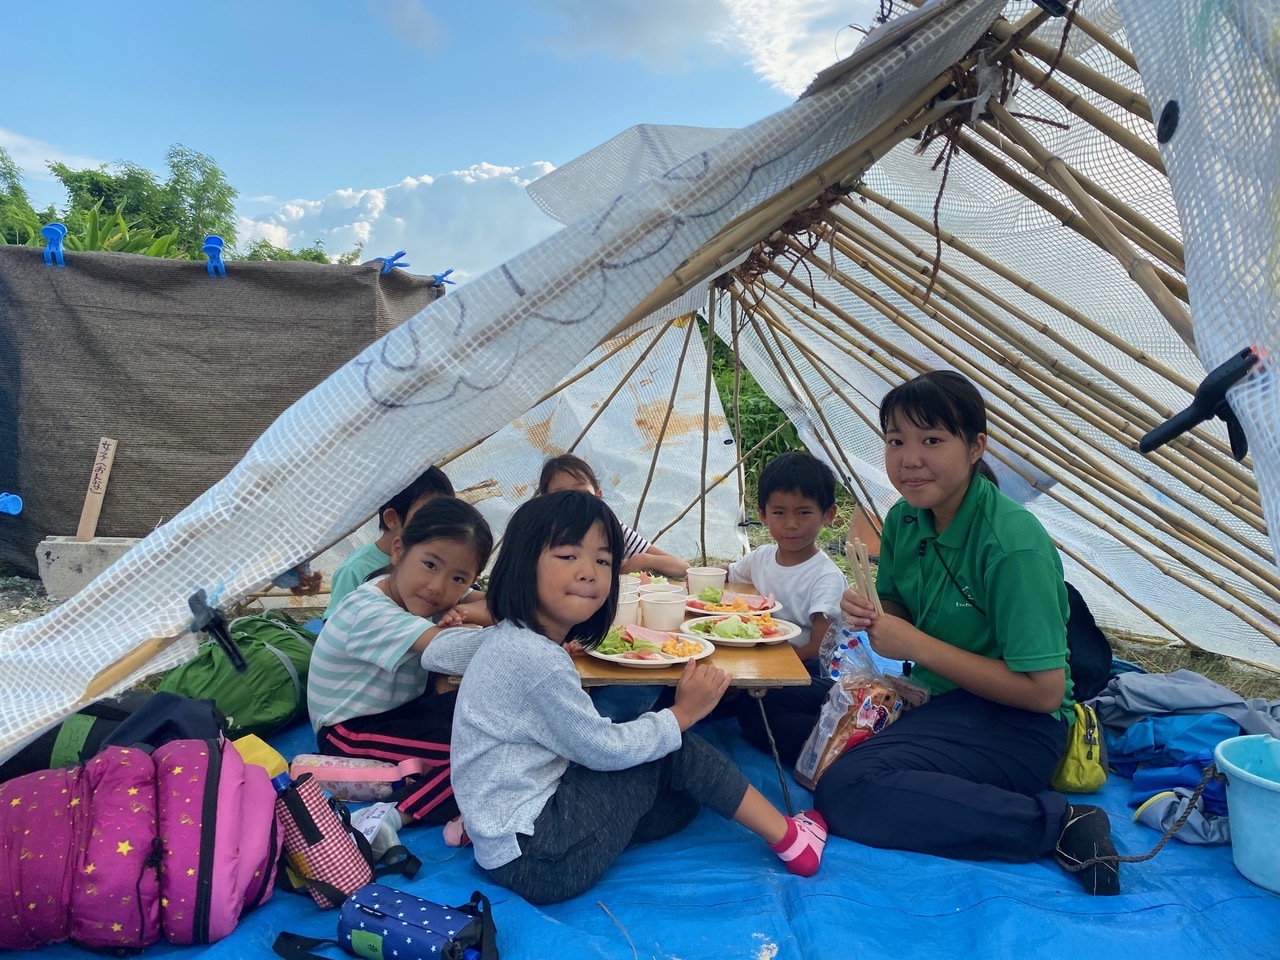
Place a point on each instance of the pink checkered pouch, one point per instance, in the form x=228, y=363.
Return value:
x=324, y=857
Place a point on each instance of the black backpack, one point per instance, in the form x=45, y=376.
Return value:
x=1088, y=649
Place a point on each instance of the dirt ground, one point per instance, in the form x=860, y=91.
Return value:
x=22, y=599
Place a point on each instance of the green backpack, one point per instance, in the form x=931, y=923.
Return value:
x=272, y=693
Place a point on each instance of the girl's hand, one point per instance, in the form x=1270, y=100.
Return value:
x=698, y=690
x=858, y=612
x=454, y=618
x=892, y=637
x=573, y=648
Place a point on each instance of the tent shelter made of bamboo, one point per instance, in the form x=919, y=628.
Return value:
x=970, y=189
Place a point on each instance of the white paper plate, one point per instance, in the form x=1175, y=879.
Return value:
x=787, y=631
x=708, y=648
x=701, y=612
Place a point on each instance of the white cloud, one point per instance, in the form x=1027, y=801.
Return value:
x=787, y=42
x=411, y=22
x=663, y=33
x=33, y=156
x=469, y=220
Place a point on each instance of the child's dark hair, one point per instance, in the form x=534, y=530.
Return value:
x=940, y=400
x=566, y=463
x=431, y=483
x=797, y=472
x=549, y=521
x=448, y=518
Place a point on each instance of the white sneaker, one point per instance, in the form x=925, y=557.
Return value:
x=379, y=823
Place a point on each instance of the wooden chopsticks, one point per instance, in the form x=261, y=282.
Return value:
x=864, y=581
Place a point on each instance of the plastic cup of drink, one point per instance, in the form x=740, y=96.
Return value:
x=628, y=611
x=699, y=578
x=662, y=611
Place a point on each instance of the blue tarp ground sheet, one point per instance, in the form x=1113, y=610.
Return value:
x=715, y=891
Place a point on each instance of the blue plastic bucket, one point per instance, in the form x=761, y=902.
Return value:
x=1252, y=768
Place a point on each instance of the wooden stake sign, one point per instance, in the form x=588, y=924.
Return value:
x=106, y=455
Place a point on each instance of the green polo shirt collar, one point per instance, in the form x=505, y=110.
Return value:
x=957, y=531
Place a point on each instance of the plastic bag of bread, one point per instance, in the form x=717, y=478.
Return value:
x=861, y=703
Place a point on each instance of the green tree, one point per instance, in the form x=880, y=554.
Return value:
x=199, y=199
x=130, y=191
x=18, y=220
x=264, y=249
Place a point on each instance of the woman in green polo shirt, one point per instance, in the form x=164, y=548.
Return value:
x=973, y=594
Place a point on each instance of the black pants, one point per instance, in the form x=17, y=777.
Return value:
x=958, y=777
x=596, y=814
x=420, y=728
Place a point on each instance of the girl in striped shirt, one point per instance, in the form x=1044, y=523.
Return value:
x=368, y=694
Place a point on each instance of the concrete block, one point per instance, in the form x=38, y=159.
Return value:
x=67, y=564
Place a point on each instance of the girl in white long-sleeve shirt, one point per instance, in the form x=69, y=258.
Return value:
x=551, y=791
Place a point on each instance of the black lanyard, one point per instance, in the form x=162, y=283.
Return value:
x=964, y=592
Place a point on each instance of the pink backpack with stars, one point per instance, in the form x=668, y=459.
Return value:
x=132, y=845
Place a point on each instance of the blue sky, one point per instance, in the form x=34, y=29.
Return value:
x=402, y=124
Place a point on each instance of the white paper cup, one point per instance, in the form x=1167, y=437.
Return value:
x=699, y=578
x=648, y=589
x=628, y=611
x=628, y=580
x=662, y=611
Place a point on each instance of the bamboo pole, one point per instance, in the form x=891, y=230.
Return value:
x=836, y=451
x=990, y=321
x=1155, y=617
x=666, y=420
x=821, y=365
x=922, y=270
x=1068, y=217
x=1105, y=40
x=746, y=230
x=622, y=382
x=1142, y=421
x=1134, y=224
x=1080, y=106
x=1139, y=270
x=963, y=363
x=999, y=269
x=1184, y=444
x=735, y=328
x=789, y=383
x=708, y=385
x=1215, y=475
x=720, y=478
x=613, y=352
x=1069, y=66
x=1060, y=391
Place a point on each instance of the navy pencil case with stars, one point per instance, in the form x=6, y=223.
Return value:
x=383, y=923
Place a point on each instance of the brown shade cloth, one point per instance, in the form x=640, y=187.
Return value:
x=183, y=369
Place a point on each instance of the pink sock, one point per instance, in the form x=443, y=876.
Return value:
x=801, y=847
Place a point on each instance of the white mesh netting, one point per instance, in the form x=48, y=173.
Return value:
x=1074, y=360
x=456, y=372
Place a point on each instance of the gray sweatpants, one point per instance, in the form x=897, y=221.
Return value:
x=596, y=814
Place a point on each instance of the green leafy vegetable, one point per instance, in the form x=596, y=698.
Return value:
x=711, y=595
x=730, y=628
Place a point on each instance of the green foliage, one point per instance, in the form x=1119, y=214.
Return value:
x=758, y=415
x=199, y=200
x=263, y=249
x=18, y=221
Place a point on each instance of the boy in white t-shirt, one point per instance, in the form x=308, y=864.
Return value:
x=797, y=497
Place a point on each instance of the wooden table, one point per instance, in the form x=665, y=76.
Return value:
x=761, y=666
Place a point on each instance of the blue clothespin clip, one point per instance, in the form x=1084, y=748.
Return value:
x=213, y=250
x=53, y=233
x=391, y=262
x=438, y=279
x=11, y=504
